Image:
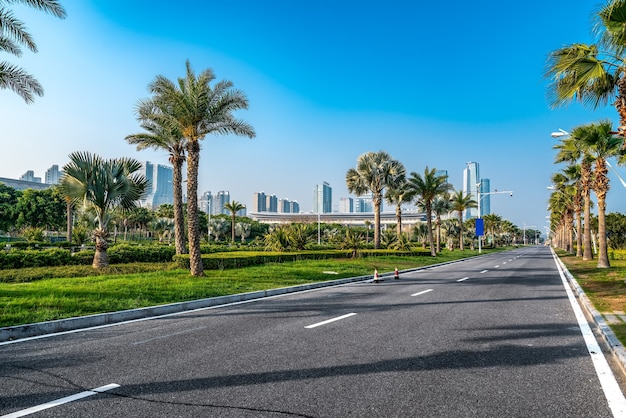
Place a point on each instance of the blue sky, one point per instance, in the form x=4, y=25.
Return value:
x=434, y=85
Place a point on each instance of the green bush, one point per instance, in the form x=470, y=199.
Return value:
x=34, y=258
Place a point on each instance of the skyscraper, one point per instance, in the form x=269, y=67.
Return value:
x=471, y=175
x=161, y=188
x=205, y=203
x=271, y=203
x=485, y=201
x=323, y=198
x=53, y=175
x=221, y=198
x=259, y=202
x=346, y=205
x=30, y=176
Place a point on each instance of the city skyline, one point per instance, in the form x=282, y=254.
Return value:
x=339, y=85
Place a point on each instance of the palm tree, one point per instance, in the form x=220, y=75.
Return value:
x=159, y=136
x=459, y=203
x=233, y=207
x=103, y=185
x=594, y=74
x=13, y=35
x=397, y=195
x=427, y=188
x=375, y=172
x=571, y=150
x=195, y=109
x=441, y=206
x=562, y=202
x=602, y=144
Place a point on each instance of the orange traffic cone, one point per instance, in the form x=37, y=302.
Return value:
x=396, y=275
x=375, y=275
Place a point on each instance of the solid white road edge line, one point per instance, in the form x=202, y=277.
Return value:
x=463, y=279
x=611, y=389
x=61, y=401
x=422, y=292
x=328, y=321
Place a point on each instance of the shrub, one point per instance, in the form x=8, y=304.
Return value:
x=127, y=253
x=34, y=258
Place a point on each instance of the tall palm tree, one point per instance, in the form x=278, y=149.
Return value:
x=572, y=150
x=594, y=74
x=164, y=137
x=397, y=195
x=374, y=172
x=441, y=206
x=562, y=202
x=103, y=185
x=195, y=109
x=426, y=188
x=459, y=203
x=233, y=207
x=602, y=144
x=13, y=36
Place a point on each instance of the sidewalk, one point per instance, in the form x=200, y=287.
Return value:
x=602, y=321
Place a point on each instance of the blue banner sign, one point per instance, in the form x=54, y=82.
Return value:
x=480, y=227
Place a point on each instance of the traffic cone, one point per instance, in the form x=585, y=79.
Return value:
x=396, y=275
x=375, y=275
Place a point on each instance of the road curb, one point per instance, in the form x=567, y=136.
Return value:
x=19, y=332
x=614, y=344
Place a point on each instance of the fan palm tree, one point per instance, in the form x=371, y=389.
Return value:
x=169, y=138
x=602, y=144
x=233, y=207
x=460, y=202
x=427, y=188
x=397, y=195
x=572, y=150
x=13, y=36
x=594, y=74
x=375, y=172
x=103, y=185
x=195, y=109
x=562, y=200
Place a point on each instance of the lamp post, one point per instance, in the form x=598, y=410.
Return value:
x=480, y=195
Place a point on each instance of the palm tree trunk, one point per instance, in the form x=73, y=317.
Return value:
x=232, y=227
x=100, y=258
x=601, y=187
x=579, y=227
x=461, y=230
x=70, y=220
x=195, y=257
x=586, y=191
x=377, y=202
x=438, y=225
x=429, y=222
x=179, y=217
x=398, y=220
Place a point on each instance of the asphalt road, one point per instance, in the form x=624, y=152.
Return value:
x=492, y=336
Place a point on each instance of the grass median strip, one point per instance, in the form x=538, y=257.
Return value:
x=59, y=298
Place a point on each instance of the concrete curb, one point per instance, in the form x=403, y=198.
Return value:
x=614, y=344
x=71, y=324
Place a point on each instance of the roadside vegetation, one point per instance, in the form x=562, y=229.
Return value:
x=136, y=285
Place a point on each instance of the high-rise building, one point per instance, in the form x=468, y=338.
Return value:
x=323, y=198
x=30, y=176
x=205, y=203
x=364, y=205
x=271, y=203
x=485, y=201
x=53, y=175
x=284, y=206
x=161, y=187
x=346, y=205
x=221, y=198
x=471, y=174
x=259, y=202
x=295, y=207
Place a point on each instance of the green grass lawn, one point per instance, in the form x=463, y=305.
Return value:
x=57, y=298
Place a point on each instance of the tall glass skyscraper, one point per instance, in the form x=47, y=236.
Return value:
x=471, y=174
x=323, y=198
